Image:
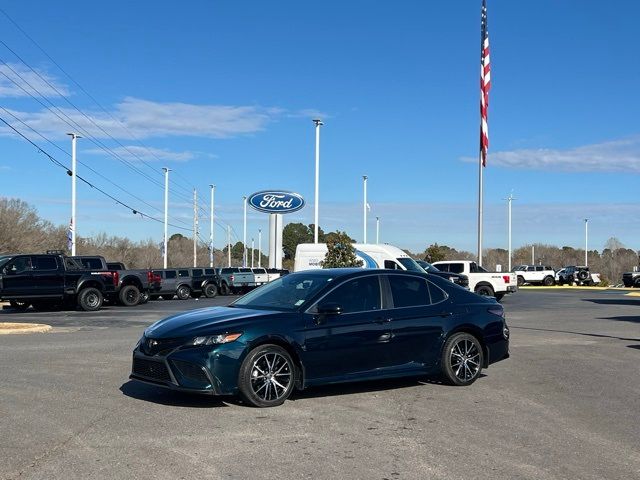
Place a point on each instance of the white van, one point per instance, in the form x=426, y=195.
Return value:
x=309, y=256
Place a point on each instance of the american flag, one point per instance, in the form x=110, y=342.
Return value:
x=70, y=235
x=485, y=85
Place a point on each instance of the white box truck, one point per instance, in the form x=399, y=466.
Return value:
x=309, y=256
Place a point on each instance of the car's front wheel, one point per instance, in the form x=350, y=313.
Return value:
x=211, y=290
x=267, y=376
x=90, y=299
x=183, y=292
x=462, y=359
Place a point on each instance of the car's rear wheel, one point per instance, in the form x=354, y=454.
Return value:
x=583, y=275
x=90, y=299
x=462, y=359
x=129, y=295
x=267, y=376
x=210, y=291
x=520, y=280
x=548, y=281
x=485, y=290
x=19, y=305
x=183, y=292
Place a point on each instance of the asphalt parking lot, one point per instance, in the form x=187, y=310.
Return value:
x=565, y=405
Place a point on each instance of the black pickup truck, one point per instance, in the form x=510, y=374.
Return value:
x=134, y=286
x=50, y=280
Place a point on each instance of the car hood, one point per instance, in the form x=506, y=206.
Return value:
x=206, y=321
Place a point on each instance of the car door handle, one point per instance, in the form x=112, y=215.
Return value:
x=445, y=314
x=382, y=320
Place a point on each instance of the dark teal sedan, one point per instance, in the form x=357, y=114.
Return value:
x=325, y=326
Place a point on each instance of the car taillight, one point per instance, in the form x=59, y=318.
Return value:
x=231, y=278
x=496, y=310
x=157, y=278
x=506, y=278
x=150, y=276
x=116, y=278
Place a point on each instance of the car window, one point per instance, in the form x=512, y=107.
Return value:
x=409, y=291
x=443, y=267
x=19, y=265
x=45, y=263
x=357, y=295
x=410, y=264
x=531, y=268
x=196, y=272
x=437, y=294
x=171, y=274
x=459, y=267
x=183, y=273
x=245, y=270
x=539, y=268
x=209, y=271
x=391, y=265
x=91, y=263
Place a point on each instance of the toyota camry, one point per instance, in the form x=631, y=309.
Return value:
x=325, y=326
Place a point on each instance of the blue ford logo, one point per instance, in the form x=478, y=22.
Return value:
x=276, y=201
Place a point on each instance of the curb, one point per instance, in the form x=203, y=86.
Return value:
x=7, y=328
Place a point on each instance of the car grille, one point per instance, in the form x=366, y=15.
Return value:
x=191, y=371
x=159, y=346
x=151, y=369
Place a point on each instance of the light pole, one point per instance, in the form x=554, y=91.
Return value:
x=318, y=123
x=586, y=241
x=364, y=210
x=510, y=199
x=377, y=230
x=74, y=225
x=165, y=250
x=229, y=245
x=213, y=189
x=195, y=228
x=259, y=248
x=244, y=233
x=252, y=250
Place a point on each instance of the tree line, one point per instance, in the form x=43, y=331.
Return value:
x=23, y=230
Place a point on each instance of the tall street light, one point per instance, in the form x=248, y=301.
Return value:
x=244, y=233
x=259, y=247
x=165, y=244
x=318, y=123
x=74, y=225
x=364, y=210
x=510, y=199
x=586, y=241
x=377, y=230
x=213, y=189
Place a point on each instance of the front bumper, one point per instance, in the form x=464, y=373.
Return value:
x=512, y=288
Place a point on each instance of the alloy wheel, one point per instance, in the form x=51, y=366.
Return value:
x=465, y=359
x=271, y=376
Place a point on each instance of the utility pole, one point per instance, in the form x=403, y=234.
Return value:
x=377, y=230
x=259, y=248
x=229, y=244
x=586, y=241
x=318, y=123
x=244, y=233
x=533, y=254
x=213, y=189
x=195, y=228
x=165, y=244
x=364, y=210
x=74, y=224
x=252, y=250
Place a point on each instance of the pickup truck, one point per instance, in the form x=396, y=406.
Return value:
x=492, y=284
x=50, y=280
x=134, y=286
x=234, y=280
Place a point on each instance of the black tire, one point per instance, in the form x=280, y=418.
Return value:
x=19, y=305
x=183, y=292
x=90, y=299
x=210, y=290
x=224, y=289
x=548, y=281
x=129, y=295
x=485, y=290
x=267, y=376
x=583, y=275
x=520, y=280
x=462, y=359
x=167, y=297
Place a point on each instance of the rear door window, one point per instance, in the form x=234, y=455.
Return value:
x=196, y=272
x=408, y=291
x=358, y=295
x=209, y=271
x=459, y=267
x=171, y=274
x=183, y=273
x=391, y=265
x=45, y=263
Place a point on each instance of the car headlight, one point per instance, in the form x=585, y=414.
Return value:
x=214, y=339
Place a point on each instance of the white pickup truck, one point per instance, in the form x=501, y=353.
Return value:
x=493, y=284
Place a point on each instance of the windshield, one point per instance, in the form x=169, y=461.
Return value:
x=286, y=293
x=4, y=259
x=427, y=267
x=410, y=264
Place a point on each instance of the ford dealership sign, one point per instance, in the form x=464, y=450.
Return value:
x=276, y=201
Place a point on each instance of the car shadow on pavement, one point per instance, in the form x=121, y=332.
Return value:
x=163, y=396
x=637, y=347
x=599, y=335
x=614, y=301
x=624, y=318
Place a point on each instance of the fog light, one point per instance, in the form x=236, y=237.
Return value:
x=505, y=332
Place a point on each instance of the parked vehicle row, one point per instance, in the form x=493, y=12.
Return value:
x=235, y=280
x=545, y=275
x=482, y=282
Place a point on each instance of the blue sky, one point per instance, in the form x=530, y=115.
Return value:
x=224, y=93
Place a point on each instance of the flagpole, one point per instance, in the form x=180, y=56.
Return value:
x=480, y=212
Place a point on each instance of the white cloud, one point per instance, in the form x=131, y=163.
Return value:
x=17, y=80
x=140, y=153
x=612, y=156
x=5, y=167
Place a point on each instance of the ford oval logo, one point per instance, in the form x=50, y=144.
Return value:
x=276, y=201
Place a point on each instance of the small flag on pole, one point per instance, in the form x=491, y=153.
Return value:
x=485, y=85
x=70, y=235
